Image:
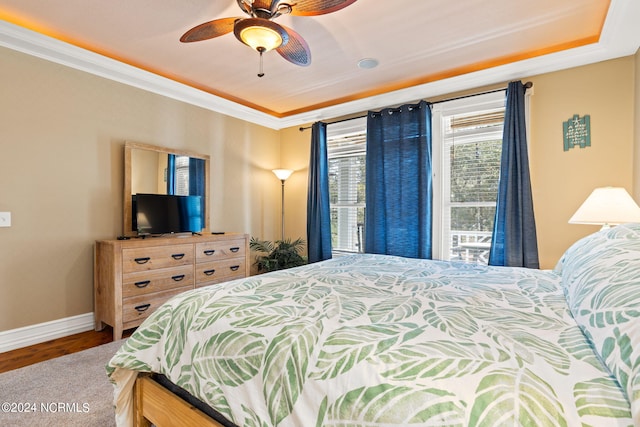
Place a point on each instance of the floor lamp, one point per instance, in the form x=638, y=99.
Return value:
x=283, y=175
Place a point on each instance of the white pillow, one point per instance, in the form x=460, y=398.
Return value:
x=601, y=280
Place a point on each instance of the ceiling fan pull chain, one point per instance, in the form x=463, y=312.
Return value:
x=260, y=71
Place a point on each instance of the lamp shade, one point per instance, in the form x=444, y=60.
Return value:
x=282, y=174
x=607, y=206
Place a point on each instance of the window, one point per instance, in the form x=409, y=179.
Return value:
x=346, y=145
x=182, y=175
x=467, y=145
x=467, y=138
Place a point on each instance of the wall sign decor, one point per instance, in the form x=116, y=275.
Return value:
x=577, y=131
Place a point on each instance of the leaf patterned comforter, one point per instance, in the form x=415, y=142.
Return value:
x=374, y=340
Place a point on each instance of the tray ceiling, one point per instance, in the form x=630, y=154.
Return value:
x=416, y=43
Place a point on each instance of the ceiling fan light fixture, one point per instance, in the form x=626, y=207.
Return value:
x=260, y=37
x=260, y=34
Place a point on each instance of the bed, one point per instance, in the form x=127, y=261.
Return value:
x=373, y=340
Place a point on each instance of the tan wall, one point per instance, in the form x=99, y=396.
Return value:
x=295, y=155
x=636, y=134
x=560, y=180
x=61, y=169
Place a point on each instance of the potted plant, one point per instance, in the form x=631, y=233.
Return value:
x=277, y=255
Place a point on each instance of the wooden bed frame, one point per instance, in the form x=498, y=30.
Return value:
x=155, y=404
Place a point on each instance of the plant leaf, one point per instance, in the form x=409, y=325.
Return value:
x=230, y=358
x=453, y=320
x=600, y=397
x=183, y=315
x=506, y=397
x=439, y=360
x=285, y=366
x=389, y=405
x=394, y=309
x=349, y=345
x=344, y=308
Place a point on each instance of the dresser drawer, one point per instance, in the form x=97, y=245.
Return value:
x=133, y=277
x=164, y=279
x=209, y=251
x=141, y=259
x=140, y=307
x=218, y=271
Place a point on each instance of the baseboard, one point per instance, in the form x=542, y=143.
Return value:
x=41, y=332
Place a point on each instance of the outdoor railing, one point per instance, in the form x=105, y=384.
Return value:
x=466, y=246
x=470, y=246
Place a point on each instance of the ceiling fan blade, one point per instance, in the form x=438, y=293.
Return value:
x=209, y=30
x=296, y=50
x=318, y=7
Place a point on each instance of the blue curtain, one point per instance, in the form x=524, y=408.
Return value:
x=398, y=182
x=196, y=176
x=171, y=174
x=514, y=242
x=196, y=184
x=318, y=213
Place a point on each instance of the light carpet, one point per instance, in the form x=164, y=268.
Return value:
x=71, y=390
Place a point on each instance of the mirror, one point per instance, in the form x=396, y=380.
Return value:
x=158, y=170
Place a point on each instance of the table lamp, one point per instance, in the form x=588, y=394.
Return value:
x=607, y=206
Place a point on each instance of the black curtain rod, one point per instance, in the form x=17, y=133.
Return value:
x=527, y=85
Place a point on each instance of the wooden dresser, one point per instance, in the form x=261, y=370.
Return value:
x=134, y=277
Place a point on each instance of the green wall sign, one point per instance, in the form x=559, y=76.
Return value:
x=577, y=131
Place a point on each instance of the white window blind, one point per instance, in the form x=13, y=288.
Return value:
x=346, y=146
x=472, y=145
x=182, y=175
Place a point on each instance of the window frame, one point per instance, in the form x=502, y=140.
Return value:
x=345, y=130
x=441, y=167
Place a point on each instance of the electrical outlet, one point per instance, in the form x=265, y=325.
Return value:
x=5, y=219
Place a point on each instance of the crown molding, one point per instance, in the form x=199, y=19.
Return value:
x=44, y=47
x=619, y=38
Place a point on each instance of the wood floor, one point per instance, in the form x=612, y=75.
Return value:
x=59, y=347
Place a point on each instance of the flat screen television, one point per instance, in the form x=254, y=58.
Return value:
x=164, y=214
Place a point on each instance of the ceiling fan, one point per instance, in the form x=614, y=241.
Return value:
x=262, y=34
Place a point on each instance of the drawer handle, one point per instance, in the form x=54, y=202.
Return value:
x=142, y=260
x=234, y=249
x=234, y=267
x=177, y=256
x=178, y=277
x=142, y=308
x=209, y=252
x=209, y=272
x=142, y=284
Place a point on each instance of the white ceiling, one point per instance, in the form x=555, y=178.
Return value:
x=425, y=48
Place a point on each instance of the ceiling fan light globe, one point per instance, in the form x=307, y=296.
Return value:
x=260, y=37
x=260, y=34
